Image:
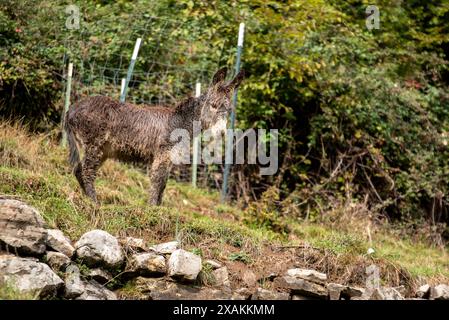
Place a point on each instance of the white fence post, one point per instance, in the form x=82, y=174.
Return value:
x=196, y=143
x=67, y=102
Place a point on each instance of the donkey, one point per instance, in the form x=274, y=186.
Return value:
x=109, y=129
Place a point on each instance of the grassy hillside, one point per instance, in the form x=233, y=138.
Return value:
x=34, y=169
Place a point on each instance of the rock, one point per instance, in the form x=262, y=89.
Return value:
x=99, y=275
x=74, y=286
x=299, y=297
x=249, y=278
x=352, y=292
x=133, y=244
x=306, y=274
x=160, y=289
x=439, y=292
x=165, y=248
x=269, y=277
x=242, y=294
x=335, y=290
x=21, y=228
x=57, y=260
x=221, y=277
x=148, y=285
x=373, y=294
x=213, y=264
x=423, y=291
x=57, y=241
x=146, y=264
x=392, y=294
x=184, y=265
x=29, y=276
x=95, y=291
x=401, y=289
x=302, y=287
x=264, y=294
x=381, y=294
x=99, y=248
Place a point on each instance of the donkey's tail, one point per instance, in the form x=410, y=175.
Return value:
x=74, y=155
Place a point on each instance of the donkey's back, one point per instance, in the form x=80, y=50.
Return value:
x=121, y=130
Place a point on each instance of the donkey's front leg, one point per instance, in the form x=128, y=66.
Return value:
x=159, y=172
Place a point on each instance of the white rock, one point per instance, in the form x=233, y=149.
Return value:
x=302, y=287
x=264, y=294
x=29, y=276
x=213, y=264
x=221, y=277
x=59, y=242
x=423, y=291
x=21, y=228
x=74, y=286
x=78, y=289
x=335, y=290
x=99, y=275
x=440, y=292
x=133, y=244
x=184, y=265
x=57, y=260
x=381, y=293
x=146, y=264
x=165, y=248
x=99, y=248
x=95, y=291
x=307, y=274
x=353, y=292
x=392, y=294
x=241, y=294
x=300, y=297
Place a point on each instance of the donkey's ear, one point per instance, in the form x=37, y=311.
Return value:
x=220, y=75
x=237, y=80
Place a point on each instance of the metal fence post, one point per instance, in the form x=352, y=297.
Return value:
x=67, y=102
x=122, y=86
x=196, y=143
x=130, y=69
x=229, y=137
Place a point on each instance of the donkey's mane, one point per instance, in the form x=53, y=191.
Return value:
x=186, y=105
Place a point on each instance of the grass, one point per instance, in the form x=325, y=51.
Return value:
x=34, y=169
x=9, y=292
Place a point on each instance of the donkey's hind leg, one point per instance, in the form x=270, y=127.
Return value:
x=159, y=172
x=92, y=161
x=77, y=171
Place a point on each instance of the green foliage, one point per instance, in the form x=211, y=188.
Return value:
x=9, y=292
x=240, y=256
x=342, y=243
x=265, y=213
x=361, y=113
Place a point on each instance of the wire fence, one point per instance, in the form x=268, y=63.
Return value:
x=168, y=67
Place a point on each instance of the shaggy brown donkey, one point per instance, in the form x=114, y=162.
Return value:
x=109, y=129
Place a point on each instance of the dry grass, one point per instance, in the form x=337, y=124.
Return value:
x=20, y=152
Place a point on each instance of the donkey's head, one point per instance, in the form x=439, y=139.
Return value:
x=216, y=101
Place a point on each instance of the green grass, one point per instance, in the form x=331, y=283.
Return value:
x=8, y=292
x=194, y=216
